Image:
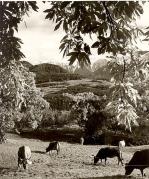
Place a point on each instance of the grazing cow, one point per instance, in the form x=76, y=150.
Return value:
x=24, y=156
x=140, y=160
x=121, y=145
x=53, y=146
x=108, y=152
x=81, y=140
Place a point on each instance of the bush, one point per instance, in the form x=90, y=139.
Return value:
x=48, y=119
x=62, y=118
x=59, y=102
x=55, y=118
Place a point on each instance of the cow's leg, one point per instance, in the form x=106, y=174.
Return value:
x=122, y=161
x=19, y=162
x=50, y=152
x=105, y=160
x=121, y=155
x=142, y=172
x=24, y=165
x=119, y=160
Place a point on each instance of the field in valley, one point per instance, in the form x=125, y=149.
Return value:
x=74, y=161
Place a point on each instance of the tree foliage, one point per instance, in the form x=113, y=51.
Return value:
x=83, y=106
x=109, y=21
x=129, y=93
x=19, y=97
x=11, y=14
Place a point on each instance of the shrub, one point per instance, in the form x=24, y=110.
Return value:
x=59, y=102
x=48, y=119
x=55, y=118
x=62, y=118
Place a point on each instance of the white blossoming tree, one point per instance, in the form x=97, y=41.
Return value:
x=20, y=100
x=128, y=95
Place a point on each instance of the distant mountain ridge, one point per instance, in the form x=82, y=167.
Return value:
x=97, y=71
x=86, y=71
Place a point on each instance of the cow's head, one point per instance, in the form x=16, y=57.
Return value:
x=128, y=169
x=28, y=162
x=47, y=149
x=96, y=159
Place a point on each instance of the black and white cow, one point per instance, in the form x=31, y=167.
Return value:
x=53, y=146
x=121, y=146
x=24, y=156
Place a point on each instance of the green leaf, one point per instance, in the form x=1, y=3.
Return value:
x=65, y=37
x=87, y=49
x=50, y=15
x=72, y=54
x=65, y=26
x=57, y=26
x=72, y=59
x=48, y=10
x=64, y=4
x=62, y=46
x=33, y=5
x=96, y=44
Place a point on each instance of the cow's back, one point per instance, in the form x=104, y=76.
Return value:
x=24, y=152
x=53, y=146
x=108, y=152
x=140, y=158
x=27, y=151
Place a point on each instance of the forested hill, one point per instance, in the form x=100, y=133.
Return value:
x=27, y=64
x=46, y=72
x=46, y=67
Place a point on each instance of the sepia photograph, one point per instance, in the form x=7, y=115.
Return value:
x=74, y=89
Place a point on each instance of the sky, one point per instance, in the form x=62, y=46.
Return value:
x=41, y=43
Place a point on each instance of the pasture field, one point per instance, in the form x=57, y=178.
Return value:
x=73, y=161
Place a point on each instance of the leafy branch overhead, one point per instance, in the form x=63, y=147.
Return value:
x=109, y=21
x=11, y=14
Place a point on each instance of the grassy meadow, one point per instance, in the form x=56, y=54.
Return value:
x=73, y=161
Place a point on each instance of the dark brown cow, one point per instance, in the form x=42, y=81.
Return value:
x=108, y=152
x=140, y=160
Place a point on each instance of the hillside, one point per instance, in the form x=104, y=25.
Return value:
x=27, y=64
x=46, y=67
x=46, y=72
